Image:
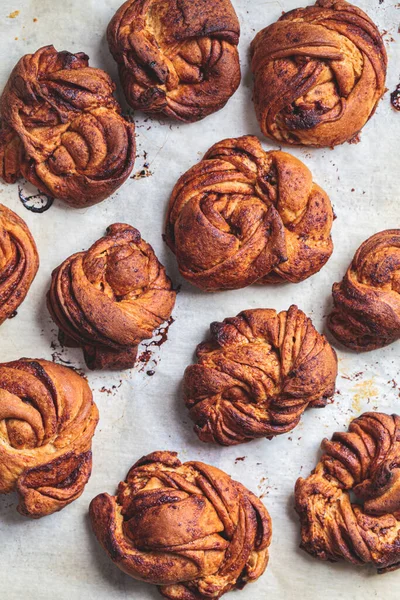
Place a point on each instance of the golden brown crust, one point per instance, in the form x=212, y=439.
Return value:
x=319, y=73
x=19, y=262
x=176, y=57
x=188, y=528
x=257, y=376
x=47, y=421
x=243, y=216
x=111, y=297
x=62, y=130
x=366, y=312
x=366, y=461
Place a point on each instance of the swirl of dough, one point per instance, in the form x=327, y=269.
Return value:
x=62, y=130
x=243, y=216
x=110, y=298
x=19, y=262
x=257, y=376
x=319, y=73
x=364, y=460
x=366, y=312
x=176, y=57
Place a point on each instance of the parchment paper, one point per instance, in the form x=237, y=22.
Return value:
x=58, y=556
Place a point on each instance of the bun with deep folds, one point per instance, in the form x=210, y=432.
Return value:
x=19, y=262
x=188, y=528
x=319, y=73
x=364, y=461
x=62, y=130
x=176, y=57
x=243, y=216
x=111, y=297
x=366, y=312
x=258, y=374
x=47, y=421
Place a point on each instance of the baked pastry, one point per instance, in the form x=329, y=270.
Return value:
x=363, y=461
x=19, y=262
x=258, y=374
x=47, y=421
x=111, y=298
x=62, y=130
x=243, y=216
x=188, y=528
x=366, y=312
x=176, y=57
x=319, y=73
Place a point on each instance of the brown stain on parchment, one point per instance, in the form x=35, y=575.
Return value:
x=364, y=390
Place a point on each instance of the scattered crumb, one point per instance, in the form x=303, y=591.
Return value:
x=143, y=173
x=395, y=97
x=239, y=459
x=13, y=15
x=110, y=391
x=35, y=20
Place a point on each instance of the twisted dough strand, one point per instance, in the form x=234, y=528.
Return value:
x=319, y=73
x=366, y=312
x=188, y=528
x=62, y=130
x=111, y=297
x=365, y=460
x=19, y=262
x=176, y=57
x=243, y=216
x=257, y=376
x=47, y=421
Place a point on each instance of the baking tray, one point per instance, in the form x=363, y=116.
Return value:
x=141, y=410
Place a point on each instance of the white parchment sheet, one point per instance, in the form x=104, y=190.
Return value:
x=58, y=556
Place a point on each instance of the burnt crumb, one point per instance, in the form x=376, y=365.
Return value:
x=14, y=314
x=395, y=98
x=36, y=203
x=160, y=336
x=239, y=459
x=143, y=173
x=145, y=170
x=162, y=332
x=144, y=357
x=384, y=33
x=112, y=390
